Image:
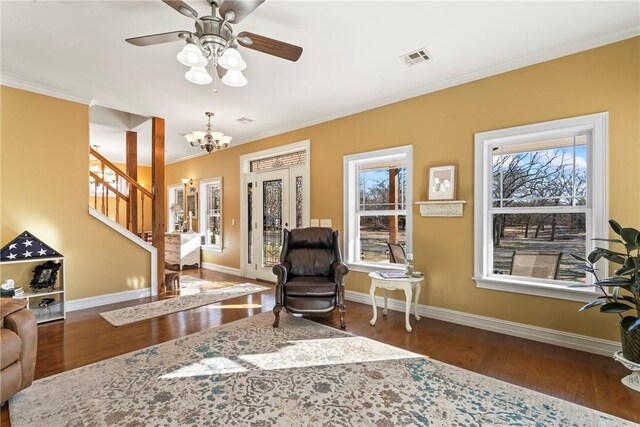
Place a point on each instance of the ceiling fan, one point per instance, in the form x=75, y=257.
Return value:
x=213, y=41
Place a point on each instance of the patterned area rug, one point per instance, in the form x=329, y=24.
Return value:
x=301, y=374
x=199, y=296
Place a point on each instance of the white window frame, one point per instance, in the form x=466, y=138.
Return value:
x=351, y=229
x=202, y=225
x=171, y=199
x=596, y=126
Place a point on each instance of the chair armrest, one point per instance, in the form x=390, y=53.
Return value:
x=281, y=270
x=23, y=323
x=338, y=271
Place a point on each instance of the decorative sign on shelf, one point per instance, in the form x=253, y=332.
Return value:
x=443, y=208
x=26, y=247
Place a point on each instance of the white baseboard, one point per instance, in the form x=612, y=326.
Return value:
x=535, y=333
x=82, y=303
x=221, y=268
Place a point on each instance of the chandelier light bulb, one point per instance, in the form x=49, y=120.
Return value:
x=191, y=56
x=232, y=60
x=217, y=135
x=225, y=140
x=198, y=75
x=234, y=79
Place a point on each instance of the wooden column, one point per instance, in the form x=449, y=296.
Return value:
x=393, y=202
x=157, y=182
x=132, y=171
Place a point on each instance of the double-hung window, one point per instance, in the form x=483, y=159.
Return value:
x=211, y=213
x=377, y=206
x=540, y=195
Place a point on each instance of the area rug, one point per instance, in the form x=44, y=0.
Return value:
x=247, y=373
x=136, y=313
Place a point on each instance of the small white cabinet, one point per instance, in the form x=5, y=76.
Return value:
x=182, y=249
x=55, y=309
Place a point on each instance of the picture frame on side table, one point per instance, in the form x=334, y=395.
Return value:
x=442, y=182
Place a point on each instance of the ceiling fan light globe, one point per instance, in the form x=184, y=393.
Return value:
x=234, y=79
x=191, y=56
x=199, y=76
x=232, y=60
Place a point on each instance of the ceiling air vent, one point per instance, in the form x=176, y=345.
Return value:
x=245, y=120
x=415, y=57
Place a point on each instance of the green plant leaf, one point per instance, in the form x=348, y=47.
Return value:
x=579, y=258
x=615, y=307
x=614, y=293
x=615, y=226
x=591, y=304
x=629, y=235
x=614, y=281
x=595, y=255
x=634, y=325
x=618, y=259
x=630, y=299
x=609, y=240
x=624, y=271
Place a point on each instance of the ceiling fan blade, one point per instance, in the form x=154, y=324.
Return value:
x=182, y=7
x=271, y=46
x=240, y=8
x=152, y=39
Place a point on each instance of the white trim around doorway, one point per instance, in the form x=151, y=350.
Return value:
x=245, y=162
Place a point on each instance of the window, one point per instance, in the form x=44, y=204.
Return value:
x=377, y=206
x=211, y=213
x=175, y=206
x=540, y=196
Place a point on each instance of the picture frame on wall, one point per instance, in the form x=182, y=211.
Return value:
x=442, y=182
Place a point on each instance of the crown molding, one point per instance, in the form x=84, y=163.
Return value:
x=42, y=90
x=570, y=48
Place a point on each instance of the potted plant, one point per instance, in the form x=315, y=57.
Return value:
x=624, y=294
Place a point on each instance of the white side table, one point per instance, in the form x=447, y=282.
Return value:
x=632, y=381
x=406, y=284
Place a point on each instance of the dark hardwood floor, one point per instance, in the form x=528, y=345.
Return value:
x=583, y=378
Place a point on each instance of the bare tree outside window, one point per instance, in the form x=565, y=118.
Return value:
x=539, y=192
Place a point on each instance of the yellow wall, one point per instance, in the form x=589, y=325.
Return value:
x=144, y=222
x=43, y=178
x=441, y=128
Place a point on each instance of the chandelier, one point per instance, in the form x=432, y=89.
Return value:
x=208, y=140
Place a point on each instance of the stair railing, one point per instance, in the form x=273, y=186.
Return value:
x=107, y=181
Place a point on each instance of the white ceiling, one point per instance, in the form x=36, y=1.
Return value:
x=350, y=61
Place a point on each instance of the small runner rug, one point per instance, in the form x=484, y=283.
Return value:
x=247, y=373
x=206, y=294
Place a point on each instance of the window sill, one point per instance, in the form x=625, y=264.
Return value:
x=368, y=268
x=211, y=248
x=537, y=289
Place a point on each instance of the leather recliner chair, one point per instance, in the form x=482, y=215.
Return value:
x=18, y=347
x=310, y=275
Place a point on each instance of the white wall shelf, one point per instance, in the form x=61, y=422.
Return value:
x=442, y=208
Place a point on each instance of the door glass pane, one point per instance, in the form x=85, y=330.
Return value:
x=272, y=221
x=376, y=231
x=250, y=223
x=298, y=201
x=539, y=239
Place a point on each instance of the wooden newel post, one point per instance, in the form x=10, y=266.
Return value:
x=132, y=171
x=157, y=179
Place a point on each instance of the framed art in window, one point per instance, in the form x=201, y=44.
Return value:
x=442, y=183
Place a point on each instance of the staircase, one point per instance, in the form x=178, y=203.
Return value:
x=118, y=200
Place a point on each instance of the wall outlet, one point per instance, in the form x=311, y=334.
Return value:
x=314, y=223
x=325, y=223
x=233, y=221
